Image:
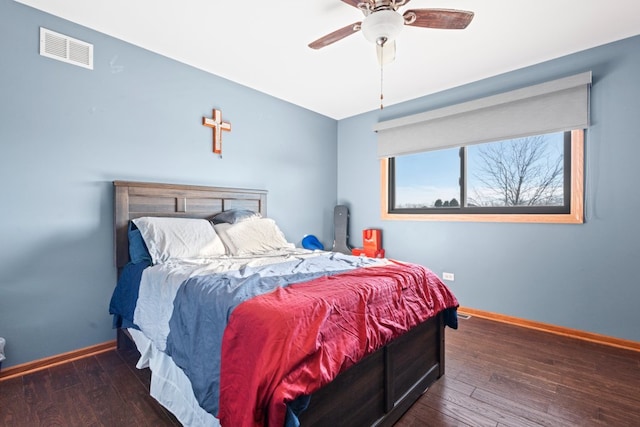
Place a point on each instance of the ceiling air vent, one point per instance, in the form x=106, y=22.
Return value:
x=66, y=49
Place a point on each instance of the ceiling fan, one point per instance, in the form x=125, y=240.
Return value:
x=383, y=23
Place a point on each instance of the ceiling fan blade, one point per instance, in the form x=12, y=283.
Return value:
x=448, y=19
x=335, y=36
x=386, y=52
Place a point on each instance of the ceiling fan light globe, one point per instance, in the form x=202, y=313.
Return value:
x=386, y=53
x=382, y=24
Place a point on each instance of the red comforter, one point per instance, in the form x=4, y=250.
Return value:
x=292, y=341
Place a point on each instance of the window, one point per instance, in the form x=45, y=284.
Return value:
x=515, y=156
x=531, y=179
x=526, y=175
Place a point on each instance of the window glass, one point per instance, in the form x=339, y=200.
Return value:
x=529, y=175
x=526, y=171
x=427, y=180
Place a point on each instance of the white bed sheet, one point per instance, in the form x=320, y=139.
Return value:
x=170, y=386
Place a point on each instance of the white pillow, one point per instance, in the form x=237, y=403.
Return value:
x=252, y=237
x=168, y=238
x=221, y=231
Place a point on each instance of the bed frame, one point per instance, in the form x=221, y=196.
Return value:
x=374, y=392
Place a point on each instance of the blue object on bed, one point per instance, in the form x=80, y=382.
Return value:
x=294, y=409
x=450, y=317
x=138, y=251
x=125, y=296
x=311, y=242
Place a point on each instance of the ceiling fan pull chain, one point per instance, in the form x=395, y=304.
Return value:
x=381, y=96
x=381, y=78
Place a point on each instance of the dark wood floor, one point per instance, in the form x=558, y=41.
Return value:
x=496, y=375
x=503, y=375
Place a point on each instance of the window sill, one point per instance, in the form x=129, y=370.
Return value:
x=570, y=218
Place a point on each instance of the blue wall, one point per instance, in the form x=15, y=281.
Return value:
x=578, y=276
x=67, y=132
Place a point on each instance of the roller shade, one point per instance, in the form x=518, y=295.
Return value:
x=555, y=106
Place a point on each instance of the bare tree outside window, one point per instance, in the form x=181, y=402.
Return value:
x=519, y=172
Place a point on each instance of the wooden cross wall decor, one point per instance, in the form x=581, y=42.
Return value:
x=218, y=126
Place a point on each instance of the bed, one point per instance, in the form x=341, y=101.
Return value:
x=388, y=376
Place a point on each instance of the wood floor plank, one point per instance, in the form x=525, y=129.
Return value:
x=51, y=415
x=595, y=408
x=15, y=413
x=64, y=376
x=613, y=391
x=38, y=396
x=100, y=394
x=11, y=388
x=518, y=409
x=450, y=383
x=139, y=405
x=422, y=415
x=91, y=373
x=75, y=408
x=460, y=413
x=484, y=408
x=108, y=406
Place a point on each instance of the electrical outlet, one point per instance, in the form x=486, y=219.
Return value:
x=448, y=276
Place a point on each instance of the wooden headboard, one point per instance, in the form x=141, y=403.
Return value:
x=137, y=199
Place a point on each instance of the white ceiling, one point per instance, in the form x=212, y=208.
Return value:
x=263, y=45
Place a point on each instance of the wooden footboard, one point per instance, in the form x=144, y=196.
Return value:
x=379, y=389
x=382, y=387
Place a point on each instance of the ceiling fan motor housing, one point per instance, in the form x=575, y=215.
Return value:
x=382, y=26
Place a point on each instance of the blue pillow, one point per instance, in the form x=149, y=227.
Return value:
x=234, y=215
x=138, y=251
